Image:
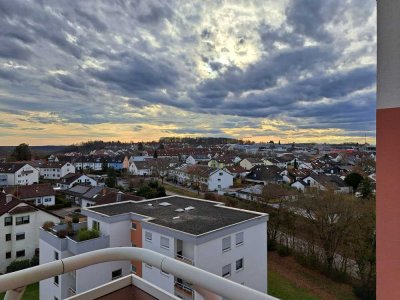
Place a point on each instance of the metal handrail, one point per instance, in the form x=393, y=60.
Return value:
x=184, y=259
x=15, y=282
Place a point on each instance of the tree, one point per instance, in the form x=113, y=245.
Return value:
x=332, y=217
x=161, y=147
x=295, y=164
x=22, y=152
x=155, y=154
x=111, y=180
x=353, y=180
x=140, y=146
x=366, y=188
x=104, y=166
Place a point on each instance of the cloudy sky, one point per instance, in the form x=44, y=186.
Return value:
x=289, y=70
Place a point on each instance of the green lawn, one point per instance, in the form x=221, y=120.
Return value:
x=282, y=288
x=31, y=292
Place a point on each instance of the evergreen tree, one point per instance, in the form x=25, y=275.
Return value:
x=22, y=152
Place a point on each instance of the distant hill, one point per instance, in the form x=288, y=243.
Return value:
x=39, y=151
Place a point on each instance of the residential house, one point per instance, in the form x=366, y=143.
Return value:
x=251, y=193
x=206, y=178
x=250, y=162
x=71, y=179
x=96, y=163
x=140, y=168
x=56, y=170
x=325, y=182
x=36, y=194
x=237, y=171
x=19, y=226
x=118, y=162
x=221, y=162
x=192, y=231
x=265, y=175
x=16, y=173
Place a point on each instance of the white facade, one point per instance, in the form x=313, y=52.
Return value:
x=43, y=200
x=134, y=170
x=219, y=180
x=26, y=175
x=56, y=170
x=112, y=235
x=84, y=179
x=27, y=233
x=190, y=160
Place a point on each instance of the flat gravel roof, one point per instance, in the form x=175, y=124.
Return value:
x=204, y=217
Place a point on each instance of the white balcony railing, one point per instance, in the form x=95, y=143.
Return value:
x=15, y=283
x=184, y=259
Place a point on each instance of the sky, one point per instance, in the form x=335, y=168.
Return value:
x=288, y=70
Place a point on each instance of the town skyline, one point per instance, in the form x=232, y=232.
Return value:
x=297, y=70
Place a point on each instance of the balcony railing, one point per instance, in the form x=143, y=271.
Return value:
x=15, y=283
x=184, y=289
x=184, y=259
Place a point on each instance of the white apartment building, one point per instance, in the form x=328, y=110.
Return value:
x=19, y=228
x=16, y=173
x=56, y=170
x=225, y=241
x=210, y=179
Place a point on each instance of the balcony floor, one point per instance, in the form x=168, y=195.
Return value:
x=129, y=292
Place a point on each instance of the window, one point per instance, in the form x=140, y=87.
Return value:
x=133, y=269
x=96, y=225
x=20, y=253
x=133, y=226
x=20, y=236
x=56, y=255
x=226, y=270
x=239, y=238
x=8, y=255
x=226, y=243
x=220, y=173
x=22, y=220
x=116, y=274
x=149, y=236
x=8, y=221
x=239, y=264
x=56, y=280
x=8, y=237
x=164, y=242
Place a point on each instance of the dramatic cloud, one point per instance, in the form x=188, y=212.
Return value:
x=291, y=70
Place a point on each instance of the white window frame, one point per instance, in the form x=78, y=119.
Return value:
x=164, y=245
x=241, y=242
x=236, y=266
x=224, y=273
x=226, y=240
x=148, y=236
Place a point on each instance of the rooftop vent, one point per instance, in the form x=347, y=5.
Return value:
x=189, y=208
x=175, y=218
x=179, y=210
x=165, y=204
x=150, y=204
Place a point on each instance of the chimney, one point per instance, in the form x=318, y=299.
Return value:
x=119, y=196
x=9, y=198
x=104, y=192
